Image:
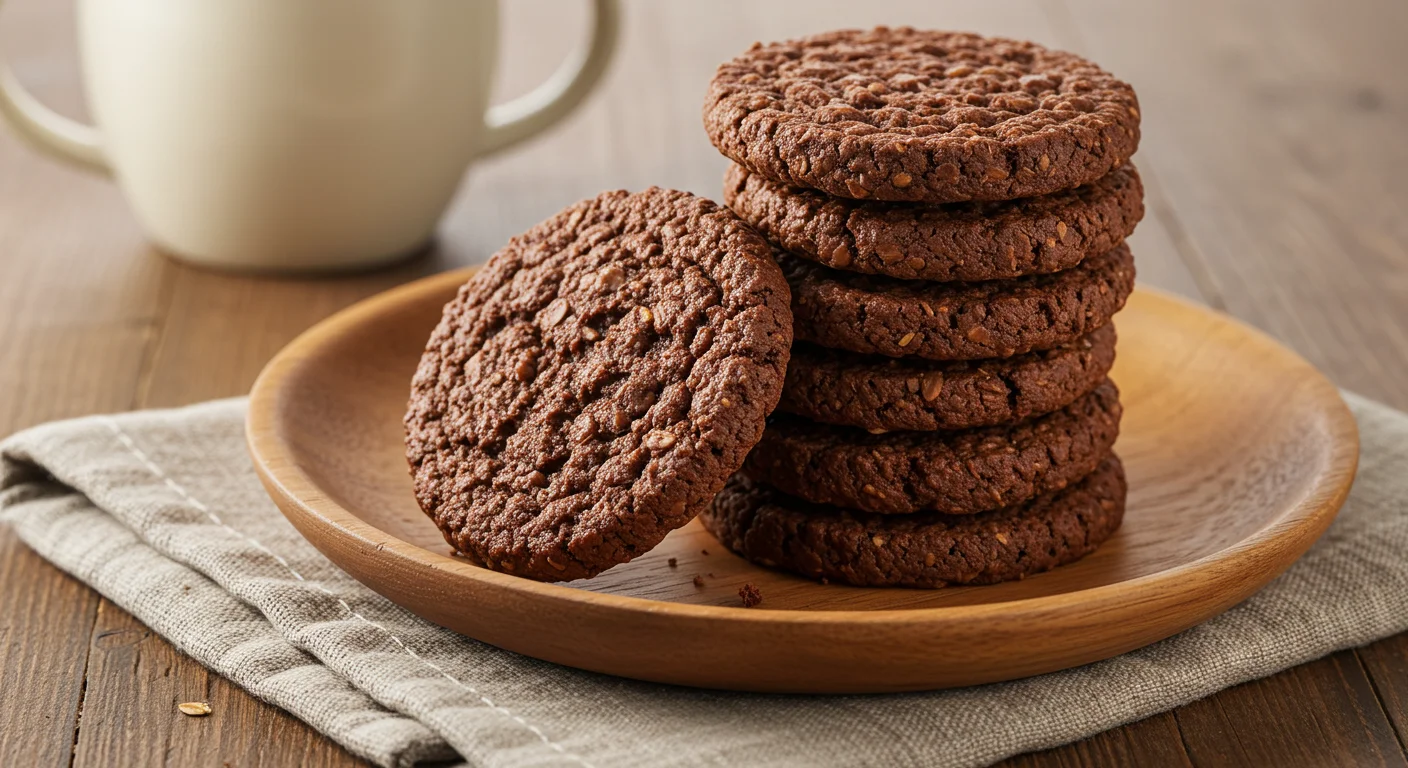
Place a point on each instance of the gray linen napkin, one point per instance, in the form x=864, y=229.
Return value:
x=161, y=512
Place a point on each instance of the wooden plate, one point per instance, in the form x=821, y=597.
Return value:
x=1238, y=454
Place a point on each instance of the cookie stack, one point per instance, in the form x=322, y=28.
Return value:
x=951, y=212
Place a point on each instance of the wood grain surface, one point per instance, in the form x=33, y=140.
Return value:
x=1275, y=164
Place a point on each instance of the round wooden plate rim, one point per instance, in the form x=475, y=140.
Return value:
x=1282, y=540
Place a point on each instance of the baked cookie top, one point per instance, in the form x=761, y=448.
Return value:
x=596, y=383
x=961, y=241
x=923, y=116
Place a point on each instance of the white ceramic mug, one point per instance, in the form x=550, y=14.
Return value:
x=295, y=134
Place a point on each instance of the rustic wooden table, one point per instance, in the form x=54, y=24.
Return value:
x=1277, y=172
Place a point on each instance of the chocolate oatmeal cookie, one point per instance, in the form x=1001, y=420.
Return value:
x=957, y=473
x=962, y=241
x=596, y=383
x=873, y=392
x=924, y=550
x=956, y=321
x=921, y=116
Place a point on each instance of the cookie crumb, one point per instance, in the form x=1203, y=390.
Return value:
x=674, y=562
x=698, y=581
x=750, y=594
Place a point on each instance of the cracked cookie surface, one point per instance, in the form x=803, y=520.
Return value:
x=956, y=321
x=594, y=385
x=921, y=116
x=874, y=392
x=956, y=473
x=957, y=242
x=924, y=550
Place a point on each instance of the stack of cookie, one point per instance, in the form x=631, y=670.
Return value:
x=951, y=211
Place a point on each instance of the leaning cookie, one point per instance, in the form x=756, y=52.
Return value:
x=962, y=241
x=957, y=473
x=956, y=321
x=921, y=116
x=887, y=393
x=924, y=550
x=597, y=382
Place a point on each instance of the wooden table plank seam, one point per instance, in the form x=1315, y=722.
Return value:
x=1385, y=705
x=166, y=295
x=1183, y=745
x=1387, y=661
x=82, y=696
x=1158, y=207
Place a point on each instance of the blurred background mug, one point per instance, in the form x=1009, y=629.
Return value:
x=295, y=135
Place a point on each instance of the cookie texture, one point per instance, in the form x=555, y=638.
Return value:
x=921, y=116
x=957, y=473
x=595, y=384
x=886, y=393
x=925, y=550
x=956, y=321
x=961, y=241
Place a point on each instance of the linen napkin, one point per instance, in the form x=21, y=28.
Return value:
x=161, y=512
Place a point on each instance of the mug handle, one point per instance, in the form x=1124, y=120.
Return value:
x=47, y=130
x=531, y=113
